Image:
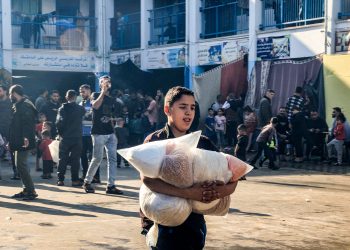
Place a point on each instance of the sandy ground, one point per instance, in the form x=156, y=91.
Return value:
x=286, y=209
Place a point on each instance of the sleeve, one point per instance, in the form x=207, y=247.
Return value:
x=26, y=119
x=60, y=121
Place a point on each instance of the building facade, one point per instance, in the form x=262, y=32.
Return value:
x=78, y=39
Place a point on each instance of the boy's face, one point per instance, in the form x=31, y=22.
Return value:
x=211, y=112
x=46, y=126
x=181, y=114
x=42, y=118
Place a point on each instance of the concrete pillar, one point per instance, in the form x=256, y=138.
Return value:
x=146, y=5
x=332, y=8
x=193, y=30
x=7, y=39
x=255, y=18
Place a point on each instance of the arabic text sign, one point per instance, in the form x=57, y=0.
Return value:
x=119, y=58
x=273, y=48
x=58, y=62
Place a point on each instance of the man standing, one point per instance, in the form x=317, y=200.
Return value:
x=41, y=101
x=69, y=126
x=265, y=109
x=295, y=100
x=103, y=136
x=86, y=153
x=22, y=138
x=50, y=110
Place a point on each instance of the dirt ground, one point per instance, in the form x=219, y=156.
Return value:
x=286, y=209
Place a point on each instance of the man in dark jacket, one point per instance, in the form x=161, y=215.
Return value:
x=265, y=110
x=22, y=138
x=69, y=126
x=50, y=110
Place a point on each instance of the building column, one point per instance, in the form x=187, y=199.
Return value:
x=255, y=18
x=193, y=30
x=146, y=5
x=6, y=39
x=332, y=8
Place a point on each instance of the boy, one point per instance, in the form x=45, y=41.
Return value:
x=180, y=108
x=264, y=139
x=242, y=145
x=210, y=125
x=38, y=130
x=220, y=128
x=46, y=155
x=122, y=135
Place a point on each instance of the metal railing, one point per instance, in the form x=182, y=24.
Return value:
x=224, y=19
x=46, y=31
x=168, y=24
x=291, y=13
x=126, y=31
x=345, y=10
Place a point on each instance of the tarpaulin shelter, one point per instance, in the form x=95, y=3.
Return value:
x=224, y=79
x=128, y=76
x=283, y=76
x=337, y=84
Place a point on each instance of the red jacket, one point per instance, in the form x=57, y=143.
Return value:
x=44, y=148
x=339, y=132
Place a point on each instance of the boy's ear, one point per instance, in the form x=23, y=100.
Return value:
x=166, y=109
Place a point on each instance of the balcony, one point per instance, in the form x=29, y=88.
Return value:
x=345, y=10
x=291, y=13
x=224, y=18
x=168, y=24
x=50, y=31
x=125, y=31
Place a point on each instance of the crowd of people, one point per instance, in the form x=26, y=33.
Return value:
x=296, y=133
x=90, y=125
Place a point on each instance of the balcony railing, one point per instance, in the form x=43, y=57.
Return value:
x=125, y=31
x=345, y=10
x=168, y=24
x=48, y=31
x=291, y=13
x=224, y=19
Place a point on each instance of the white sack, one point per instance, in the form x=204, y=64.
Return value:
x=54, y=150
x=147, y=158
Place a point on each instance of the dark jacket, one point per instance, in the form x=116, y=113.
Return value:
x=265, y=112
x=299, y=126
x=22, y=125
x=5, y=117
x=70, y=120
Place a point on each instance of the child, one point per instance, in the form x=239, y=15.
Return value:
x=264, y=139
x=210, y=126
x=38, y=130
x=125, y=115
x=122, y=135
x=180, y=108
x=220, y=128
x=338, y=141
x=242, y=142
x=46, y=155
x=47, y=125
x=250, y=121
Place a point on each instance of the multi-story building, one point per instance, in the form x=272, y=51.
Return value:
x=64, y=43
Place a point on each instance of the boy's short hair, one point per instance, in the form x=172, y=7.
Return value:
x=174, y=94
x=46, y=133
x=242, y=127
x=210, y=109
x=341, y=117
x=274, y=120
x=337, y=109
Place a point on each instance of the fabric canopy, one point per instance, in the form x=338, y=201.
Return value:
x=224, y=79
x=283, y=76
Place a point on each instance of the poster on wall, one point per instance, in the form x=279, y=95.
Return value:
x=119, y=58
x=269, y=48
x=223, y=52
x=342, y=41
x=166, y=58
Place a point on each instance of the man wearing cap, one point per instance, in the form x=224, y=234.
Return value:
x=69, y=128
x=102, y=133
